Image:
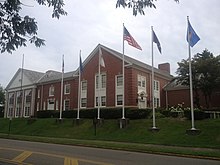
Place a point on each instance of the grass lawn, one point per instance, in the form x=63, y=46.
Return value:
x=172, y=132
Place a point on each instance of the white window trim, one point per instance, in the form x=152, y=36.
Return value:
x=65, y=87
x=50, y=91
x=64, y=106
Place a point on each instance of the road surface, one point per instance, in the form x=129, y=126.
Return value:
x=13, y=152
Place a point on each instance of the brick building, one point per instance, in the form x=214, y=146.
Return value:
x=20, y=93
x=137, y=84
x=179, y=94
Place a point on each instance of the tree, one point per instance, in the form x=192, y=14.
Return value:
x=2, y=95
x=137, y=6
x=183, y=78
x=15, y=29
x=2, y=101
x=205, y=74
x=209, y=68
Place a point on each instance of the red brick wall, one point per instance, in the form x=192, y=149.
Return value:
x=113, y=67
x=178, y=96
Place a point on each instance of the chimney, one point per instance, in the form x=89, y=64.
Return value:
x=164, y=67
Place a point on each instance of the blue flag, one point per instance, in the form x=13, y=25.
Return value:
x=191, y=36
x=80, y=65
x=155, y=40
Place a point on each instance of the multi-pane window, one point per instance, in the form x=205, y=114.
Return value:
x=11, y=98
x=38, y=93
x=51, y=91
x=97, y=81
x=10, y=112
x=83, y=102
x=103, y=81
x=84, y=85
x=67, y=89
x=119, y=99
x=18, y=110
x=156, y=102
x=19, y=97
x=96, y=101
x=102, y=101
x=27, y=105
x=139, y=83
x=38, y=106
x=143, y=83
x=119, y=80
x=50, y=104
x=156, y=85
x=18, y=103
x=27, y=109
x=66, y=105
x=28, y=96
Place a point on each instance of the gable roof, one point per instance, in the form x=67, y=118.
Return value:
x=38, y=77
x=130, y=61
x=32, y=76
x=174, y=85
x=54, y=76
x=127, y=59
x=135, y=62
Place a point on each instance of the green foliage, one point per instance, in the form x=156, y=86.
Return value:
x=205, y=74
x=2, y=95
x=137, y=6
x=198, y=114
x=16, y=29
x=172, y=131
x=47, y=114
x=2, y=101
x=113, y=113
x=1, y=112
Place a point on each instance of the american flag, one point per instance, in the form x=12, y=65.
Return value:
x=130, y=39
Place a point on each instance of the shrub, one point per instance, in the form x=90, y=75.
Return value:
x=1, y=111
x=47, y=114
x=198, y=114
x=137, y=113
x=112, y=113
x=165, y=112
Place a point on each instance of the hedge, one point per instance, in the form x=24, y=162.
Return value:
x=1, y=111
x=113, y=113
x=198, y=114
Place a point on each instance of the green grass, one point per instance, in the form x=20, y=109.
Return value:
x=136, y=135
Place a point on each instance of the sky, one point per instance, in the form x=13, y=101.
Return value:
x=90, y=23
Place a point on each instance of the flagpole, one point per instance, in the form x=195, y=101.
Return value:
x=123, y=79
x=79, y=87
x=99, y=84
x=61, y=90
x=152, y=79
x=190, y=79
x=22, y=94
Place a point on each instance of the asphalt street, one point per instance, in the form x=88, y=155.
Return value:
x=35, y=153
